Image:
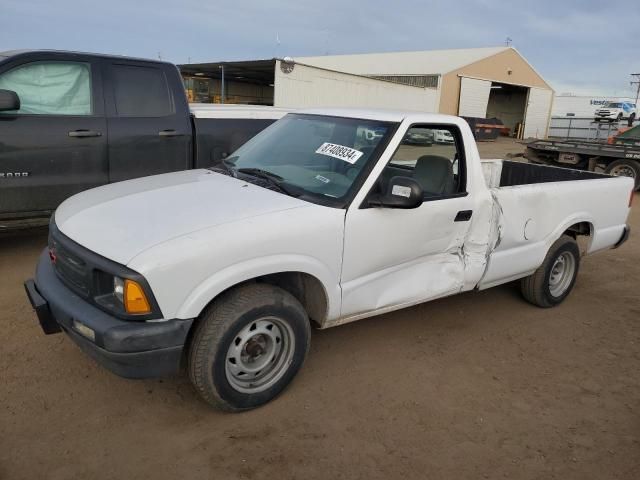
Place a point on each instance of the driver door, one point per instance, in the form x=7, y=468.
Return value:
x=395, y=257
x=56, y=144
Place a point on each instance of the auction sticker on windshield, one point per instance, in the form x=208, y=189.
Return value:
x=341, y=152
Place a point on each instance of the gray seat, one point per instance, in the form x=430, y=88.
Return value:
x=435, y=175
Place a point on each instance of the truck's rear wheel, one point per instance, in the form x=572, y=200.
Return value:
x=625, y=168
x=550, y=284
x=248, y=346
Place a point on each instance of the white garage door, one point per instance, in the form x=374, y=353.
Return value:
x=474, y=97
x=536, y=118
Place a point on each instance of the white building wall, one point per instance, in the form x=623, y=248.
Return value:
x=308, y=86
x=581, y=105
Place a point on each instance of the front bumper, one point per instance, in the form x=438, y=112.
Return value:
x=127, y=348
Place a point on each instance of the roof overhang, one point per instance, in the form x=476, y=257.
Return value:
x=250, y=71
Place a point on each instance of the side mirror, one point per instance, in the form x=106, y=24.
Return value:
x=402, y=192
x=9, y=100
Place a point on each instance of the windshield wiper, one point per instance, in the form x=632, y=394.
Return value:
x=272, y=179
x=226, y=166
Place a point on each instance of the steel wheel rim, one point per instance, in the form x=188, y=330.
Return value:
x=259, y=355
x=562, y=273
x=623, y=171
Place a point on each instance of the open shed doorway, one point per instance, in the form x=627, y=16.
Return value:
x=243, y=83
x=509, y=104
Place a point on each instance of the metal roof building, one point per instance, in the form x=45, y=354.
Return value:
x=476, y=82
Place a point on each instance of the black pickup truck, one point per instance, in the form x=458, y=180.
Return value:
x=72, y=121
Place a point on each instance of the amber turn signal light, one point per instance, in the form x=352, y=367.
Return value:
x=135, y=301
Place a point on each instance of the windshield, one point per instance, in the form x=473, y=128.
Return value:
x=319, y=157
x=612, y=105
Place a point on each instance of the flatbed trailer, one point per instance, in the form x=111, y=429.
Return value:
x=622, y=158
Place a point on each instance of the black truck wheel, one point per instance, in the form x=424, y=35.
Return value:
x=248, y=346
x=550, y=284
x=625, y=168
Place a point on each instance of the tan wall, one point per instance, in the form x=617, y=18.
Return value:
x=493, y=68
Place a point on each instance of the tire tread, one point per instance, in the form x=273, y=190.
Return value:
x=533, y=286
x=212, y=325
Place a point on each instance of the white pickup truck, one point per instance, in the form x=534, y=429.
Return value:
x=313, y=222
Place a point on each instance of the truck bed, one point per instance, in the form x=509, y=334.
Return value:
x=535, y=204
x=505, y=173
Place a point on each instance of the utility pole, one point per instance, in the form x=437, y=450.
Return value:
x=636, y=82
x=222, y=84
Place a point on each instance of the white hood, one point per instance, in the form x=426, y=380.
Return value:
x=121, y=220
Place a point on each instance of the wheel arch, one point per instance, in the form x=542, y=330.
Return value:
x=582, y=233
x=577, y=225
x=306, y=280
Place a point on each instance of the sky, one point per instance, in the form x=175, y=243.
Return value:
x=579, y=46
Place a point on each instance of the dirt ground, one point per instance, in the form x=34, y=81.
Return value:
x=480, y=385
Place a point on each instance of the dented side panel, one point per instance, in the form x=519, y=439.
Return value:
x=394, y=258
x=403, y=256
x=534, y=216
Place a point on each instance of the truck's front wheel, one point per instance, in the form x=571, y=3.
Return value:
x=550, y=284
x=248, y=346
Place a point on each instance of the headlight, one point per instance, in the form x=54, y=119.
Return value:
x=121, y=295
x=131, y=295
x=118, y=289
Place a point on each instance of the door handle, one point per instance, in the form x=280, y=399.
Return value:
x=84, y=133
x=463, y=216
x=170, y=133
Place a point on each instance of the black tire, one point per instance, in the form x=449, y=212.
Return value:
x=632, y=166
x=536, y=288
x=219, y=326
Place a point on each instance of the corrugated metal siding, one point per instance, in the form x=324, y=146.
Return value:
x=403, y=63
x=474, y=97
x=538, y=111
x=308, y=86
x=422, y=81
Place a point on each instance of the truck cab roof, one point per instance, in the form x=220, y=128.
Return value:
x=67, y=54
x=384, y=115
